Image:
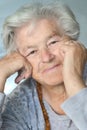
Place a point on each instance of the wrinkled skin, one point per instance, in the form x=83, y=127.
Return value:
x=55, y=61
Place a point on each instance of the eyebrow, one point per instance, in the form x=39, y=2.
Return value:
x=47, y=38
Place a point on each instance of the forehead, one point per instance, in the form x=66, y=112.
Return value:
x=36, y=31
x=36, y=24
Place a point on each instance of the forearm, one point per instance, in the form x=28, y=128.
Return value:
x=2, y=83
x=76, y=108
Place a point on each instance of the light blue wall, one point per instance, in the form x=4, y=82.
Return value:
x=7, y=7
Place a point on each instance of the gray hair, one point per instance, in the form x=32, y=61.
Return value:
x=56, y=10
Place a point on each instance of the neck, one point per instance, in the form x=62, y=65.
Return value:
x=55, y=96
x=53, y=92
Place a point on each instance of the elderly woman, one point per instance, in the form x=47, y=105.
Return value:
x=41, y=40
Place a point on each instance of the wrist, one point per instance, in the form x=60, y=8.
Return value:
x=74, y=86
x=2, y=83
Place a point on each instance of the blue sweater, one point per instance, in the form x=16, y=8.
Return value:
x=21, y=110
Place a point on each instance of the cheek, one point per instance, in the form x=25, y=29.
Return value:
x=34, y=71
x=34, y=63
x=58, y=53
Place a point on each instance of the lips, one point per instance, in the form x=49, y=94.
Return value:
x=51, y=68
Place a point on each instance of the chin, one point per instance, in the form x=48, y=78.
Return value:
x=53, y=82
x=50, y=81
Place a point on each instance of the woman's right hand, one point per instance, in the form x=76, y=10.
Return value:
x=12, y=63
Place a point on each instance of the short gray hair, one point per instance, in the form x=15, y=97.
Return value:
x=37, y=10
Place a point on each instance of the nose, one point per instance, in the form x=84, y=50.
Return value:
x=46, y=55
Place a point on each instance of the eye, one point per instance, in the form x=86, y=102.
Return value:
x=32, y=52
x=53, y=42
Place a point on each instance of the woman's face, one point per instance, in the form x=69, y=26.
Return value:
x=39, y=44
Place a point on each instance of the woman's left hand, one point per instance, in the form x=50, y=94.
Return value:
x=75, y=56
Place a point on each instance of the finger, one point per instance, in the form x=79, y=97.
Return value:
x=19, y=78
x=82, y=46
x=69, y=43
x=28, y=71
x=66, y=39
x=65, y=47
x=24, y=73
x=86, y=54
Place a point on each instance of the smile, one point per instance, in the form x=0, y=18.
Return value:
x=51, y=68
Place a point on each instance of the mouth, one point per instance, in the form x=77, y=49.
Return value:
x=51, y=68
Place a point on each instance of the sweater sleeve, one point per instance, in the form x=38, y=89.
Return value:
x=7, y=119
x=76, y=108
x=2, y=97
x=11, y=115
